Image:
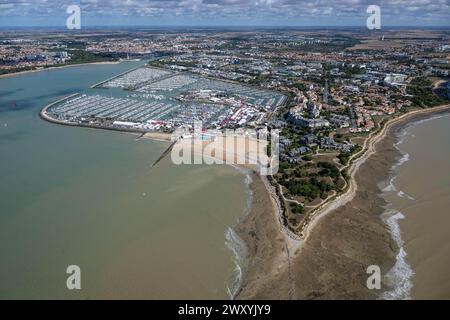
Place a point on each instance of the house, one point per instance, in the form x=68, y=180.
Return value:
x=308, y=139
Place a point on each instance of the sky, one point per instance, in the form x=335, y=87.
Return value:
x=224, y=12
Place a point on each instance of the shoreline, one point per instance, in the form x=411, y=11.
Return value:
x=326, y=252
x=157, y=136
x=15, y=74
x=420, y=236
x=367, y=151
x=274, y=252
x=268, y=246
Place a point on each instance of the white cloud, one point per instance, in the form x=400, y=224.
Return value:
x=278, y=10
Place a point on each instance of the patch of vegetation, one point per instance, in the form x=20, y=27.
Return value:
x=300, y=86
x=312, y=188
x=422, y=90
x=344, y=158
x=14, y=70
x=297, y=208
x=81, y=56
x=328, y=170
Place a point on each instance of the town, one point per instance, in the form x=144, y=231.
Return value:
x=325, y=92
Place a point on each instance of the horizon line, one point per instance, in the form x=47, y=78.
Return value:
x=228, y=26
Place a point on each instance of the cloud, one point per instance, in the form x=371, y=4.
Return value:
x=340, y=12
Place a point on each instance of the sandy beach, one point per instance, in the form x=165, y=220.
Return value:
x=343, y=238
x=159, y=136
x=268, y=247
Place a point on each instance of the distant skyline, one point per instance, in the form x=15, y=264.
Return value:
x=27, y=13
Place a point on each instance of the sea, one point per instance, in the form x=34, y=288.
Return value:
x=418, y=215
x=89, y=198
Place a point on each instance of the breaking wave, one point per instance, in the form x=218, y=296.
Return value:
x=239, y=249
x=236, y=245
x=399, y=278
x=402, y=194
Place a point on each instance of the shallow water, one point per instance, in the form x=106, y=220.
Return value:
x=77, y=196
x=419, y=190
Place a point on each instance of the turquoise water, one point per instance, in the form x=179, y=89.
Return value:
x=78, y=196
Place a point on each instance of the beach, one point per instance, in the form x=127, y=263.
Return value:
x=343, y=238
x=268, y=249
x=159, y=136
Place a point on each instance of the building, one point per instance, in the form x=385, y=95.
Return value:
x=296, y=117
x=313, y=110
x=309, y=139
x=340, y=121
x=395, y=79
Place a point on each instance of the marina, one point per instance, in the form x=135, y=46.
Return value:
x=146, y=99
x=131, y=79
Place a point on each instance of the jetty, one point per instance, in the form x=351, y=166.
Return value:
x=165, y=153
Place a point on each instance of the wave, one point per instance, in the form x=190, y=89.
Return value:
x=390, y=187
x=437, y=116
x=247, y=182
x=239, y=249
x=405, y=158
x=405, y=133
x=401, y=136
x=399, y=278
x=237, y=246
x=402, y=194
